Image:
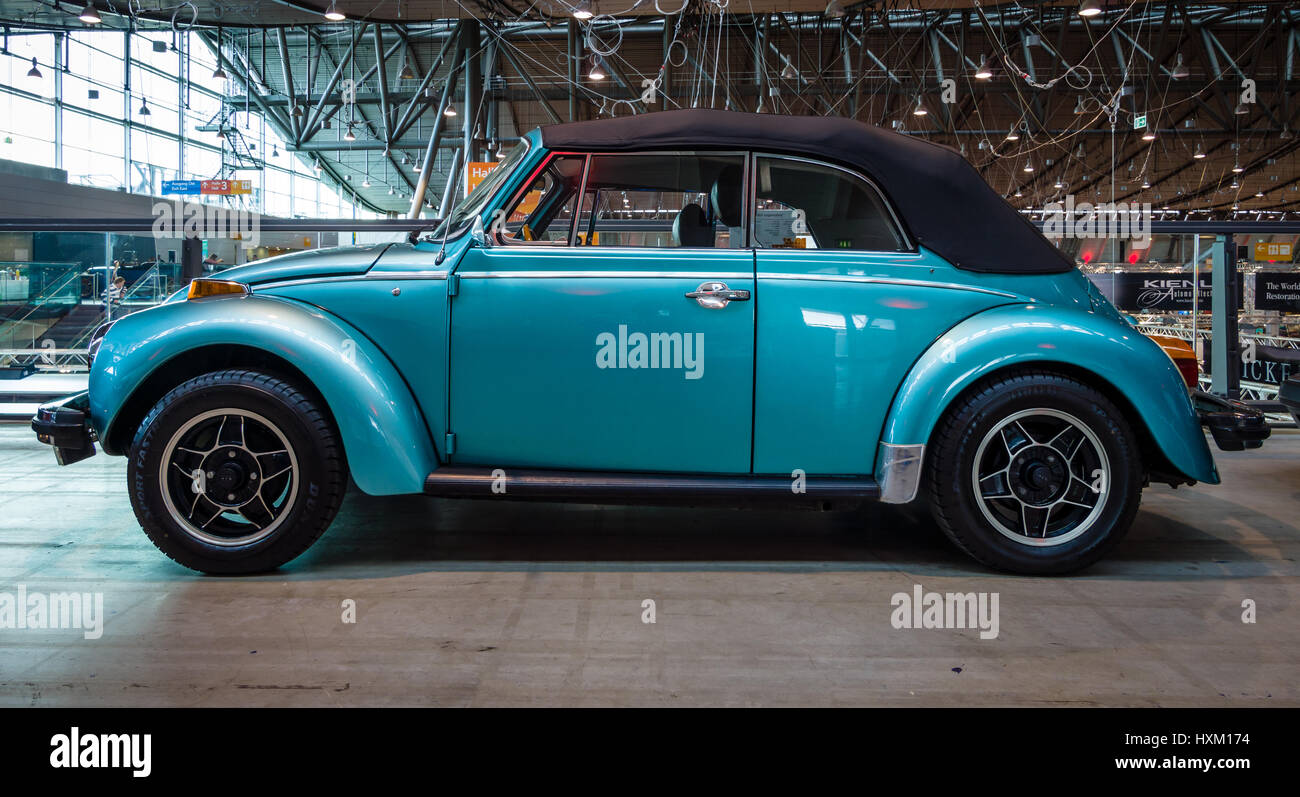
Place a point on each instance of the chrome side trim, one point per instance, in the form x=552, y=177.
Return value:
x=952, y=286
x=405, y=275
x=692, y=275
x=371, y=275
x=898, y=471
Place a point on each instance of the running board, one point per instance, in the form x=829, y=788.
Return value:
x=630, y=488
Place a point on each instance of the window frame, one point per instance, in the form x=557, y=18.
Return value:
x=518, y=196
x=908, y=245
x=746, y=191
x=747, y=158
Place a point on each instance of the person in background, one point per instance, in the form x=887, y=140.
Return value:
x=112, y=297
x=211, y=261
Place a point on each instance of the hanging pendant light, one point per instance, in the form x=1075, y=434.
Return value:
x=1089, y=8
x=583, y=10
x=788, y=72
x=1013, y=135
x=919, y=110
x=405, y=73
x=90, y=15
x=1180, y=69
x=219, y=73
x=333, y=14
x=450, y=109
x=597, y=72
x=144, y=107
x=349, y=135
x=34, y=71
x=983, y=71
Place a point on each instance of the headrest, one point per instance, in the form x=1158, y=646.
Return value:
x=692, y=227
x=727, y=195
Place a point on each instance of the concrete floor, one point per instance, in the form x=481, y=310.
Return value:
x=480, y=603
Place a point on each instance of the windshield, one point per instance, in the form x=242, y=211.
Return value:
x=472, y=205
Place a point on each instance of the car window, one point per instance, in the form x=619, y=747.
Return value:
x=664, y=200
x=473, y=204
x=802, y=205
x=543, y=213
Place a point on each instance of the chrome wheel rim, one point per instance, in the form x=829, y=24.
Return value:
x=1041, y=477
x=229, y=477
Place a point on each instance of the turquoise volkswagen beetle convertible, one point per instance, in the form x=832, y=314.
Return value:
x=687, y=306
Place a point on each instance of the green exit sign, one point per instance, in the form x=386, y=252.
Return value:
x=1139, y=122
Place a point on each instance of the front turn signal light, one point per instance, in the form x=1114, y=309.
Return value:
x=207, y=288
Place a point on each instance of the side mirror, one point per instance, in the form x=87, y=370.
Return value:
x=478, y=234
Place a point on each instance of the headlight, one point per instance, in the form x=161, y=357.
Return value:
x=203, y=288
x=96, y=338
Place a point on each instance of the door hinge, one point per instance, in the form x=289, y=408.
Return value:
x=450, y=443
x=453, y=284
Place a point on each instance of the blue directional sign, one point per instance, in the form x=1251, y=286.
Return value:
x=181, y=186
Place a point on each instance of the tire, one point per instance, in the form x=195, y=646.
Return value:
x=1042, y=449
x=236, y=472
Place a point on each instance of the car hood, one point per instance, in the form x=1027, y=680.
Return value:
x=335, y=261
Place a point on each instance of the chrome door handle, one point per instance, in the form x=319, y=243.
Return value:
x=716, y=295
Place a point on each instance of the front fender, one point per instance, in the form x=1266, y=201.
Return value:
x=1042, y=335
x=386, y=439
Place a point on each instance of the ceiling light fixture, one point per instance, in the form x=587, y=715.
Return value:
x=1089, y=8
x=582, y=10
x=1180, y=70
x=90, y=15
x=34, y=71
x=450, y=110
x=983, y=71
x=333, y=14
x=1012, y=135
x=597, y=72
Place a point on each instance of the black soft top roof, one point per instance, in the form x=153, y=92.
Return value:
x=945, y=204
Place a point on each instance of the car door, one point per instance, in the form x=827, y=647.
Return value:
x=847, y=305
x=630, y=351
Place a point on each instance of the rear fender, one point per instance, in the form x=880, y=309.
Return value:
x=1043, y=335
